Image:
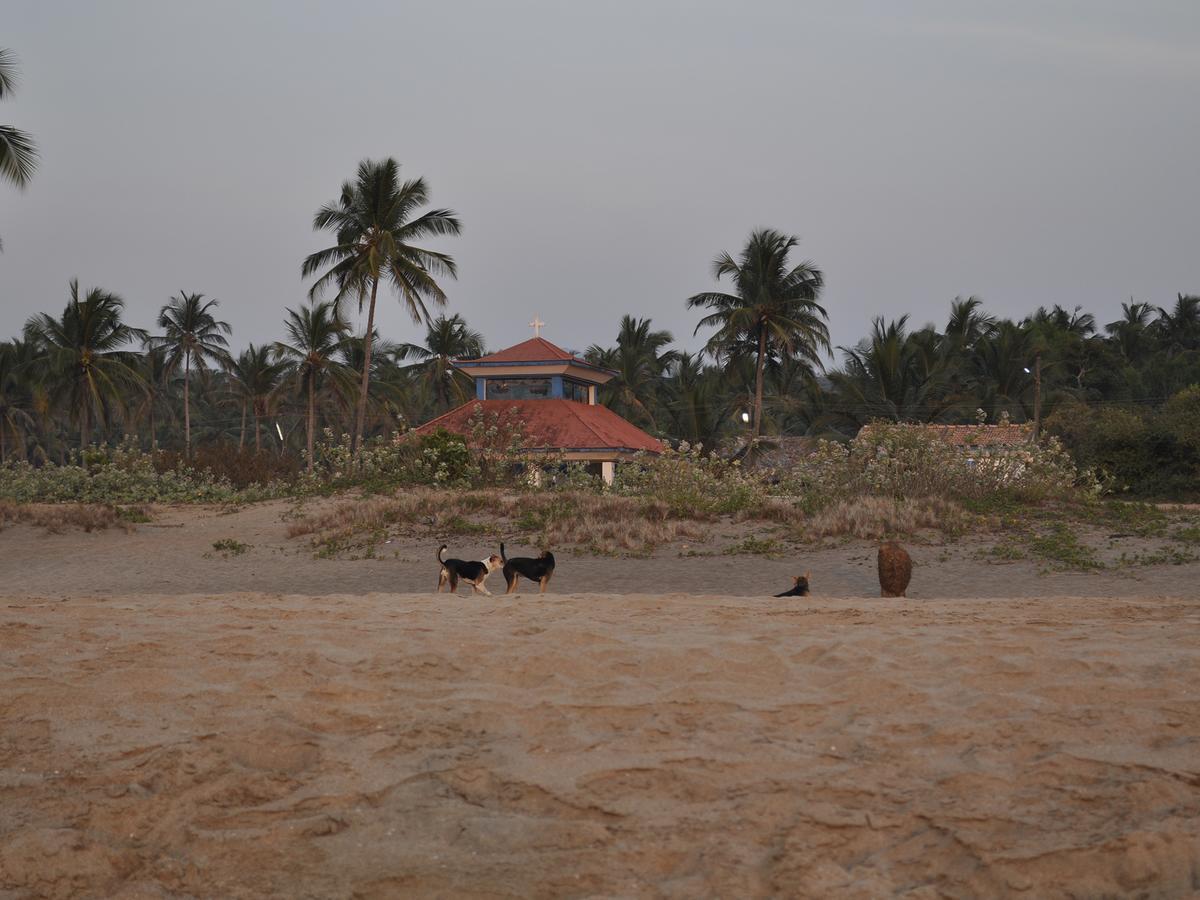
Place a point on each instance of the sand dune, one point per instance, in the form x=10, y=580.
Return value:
x=246, y=745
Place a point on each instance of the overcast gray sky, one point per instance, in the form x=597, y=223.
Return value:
x=601, y=154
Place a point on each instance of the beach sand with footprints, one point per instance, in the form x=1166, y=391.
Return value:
x=200, y=740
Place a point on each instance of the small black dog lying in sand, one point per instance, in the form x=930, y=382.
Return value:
x=471, y=570
x=799, y=588
x=539, y=569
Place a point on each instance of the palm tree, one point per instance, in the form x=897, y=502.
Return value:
x=16, y=399
x=640, y=359
x=892, y=375
x=192, y=335
x=316, y=333
x=968, y=323
x=18, y=152
x=1179, y=327
x=774, y=305
x=1131, y=332
x=697, y=405
x=375, y=228
x=254, y=379
x=154, y=373
x=85, y=366
x=446, y=339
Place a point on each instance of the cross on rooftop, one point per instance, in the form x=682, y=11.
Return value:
x=536, y=325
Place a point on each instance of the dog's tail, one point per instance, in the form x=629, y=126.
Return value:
x=503, y=558
x=441, y=550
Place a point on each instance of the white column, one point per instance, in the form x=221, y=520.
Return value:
x=608, y=470
x=591, y=395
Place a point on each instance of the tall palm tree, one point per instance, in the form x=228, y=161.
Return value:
x=774, y=305
x=316, y=333
x=254, y=379
x=191, y=335
x=640, y=360
x=376, y=222
x=18, y=152
x=446, y=339
x=86, y=366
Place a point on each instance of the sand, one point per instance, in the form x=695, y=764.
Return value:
x=383, y=743
x=250, y=745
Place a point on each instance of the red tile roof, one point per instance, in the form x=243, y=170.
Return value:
x=536, y=349
x=553, y=424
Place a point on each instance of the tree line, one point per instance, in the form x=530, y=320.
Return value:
x=87, y=376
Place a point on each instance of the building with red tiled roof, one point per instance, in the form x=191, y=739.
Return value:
x=552, y=395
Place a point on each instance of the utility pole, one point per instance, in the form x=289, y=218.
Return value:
x=1037, y=397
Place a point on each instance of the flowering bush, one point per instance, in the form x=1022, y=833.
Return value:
x=903, y=461
x=121, y=475
x=691, y=483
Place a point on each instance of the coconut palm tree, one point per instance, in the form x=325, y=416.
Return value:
x=1131, y=332
x=892, y=374
x=446, y=339
x=698, y=407
x=18, y=152
x=376, y=223
x=155, y=404
x=774, y=304
x=640, y=360
x=16, y=399
x=1179, y=327
x=191, y=335
x=315, y=333
x=254, y=380
x=85, y=366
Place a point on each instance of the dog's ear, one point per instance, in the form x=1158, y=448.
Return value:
x=808, y=576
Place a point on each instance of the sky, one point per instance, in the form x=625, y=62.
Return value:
x=600, y=155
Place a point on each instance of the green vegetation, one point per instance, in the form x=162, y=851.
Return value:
x=229, y=547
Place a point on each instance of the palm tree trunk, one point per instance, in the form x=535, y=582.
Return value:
x=242, y=436
x=312, y=421
x=366, y=372
x=758, y=381
x=187, y=408
x=257, y=439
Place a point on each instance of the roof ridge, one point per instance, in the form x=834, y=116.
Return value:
x=581, y=419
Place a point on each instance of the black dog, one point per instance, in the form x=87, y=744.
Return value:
x=471, y=570
x=799, y=588
x=539, y=569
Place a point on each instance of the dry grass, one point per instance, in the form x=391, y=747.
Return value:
x=878, y=518
x=60, y=517
x=601, y=523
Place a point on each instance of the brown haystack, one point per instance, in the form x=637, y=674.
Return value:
x=895, y=570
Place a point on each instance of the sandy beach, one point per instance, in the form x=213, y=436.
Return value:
x=334, y=739
x=248, y=745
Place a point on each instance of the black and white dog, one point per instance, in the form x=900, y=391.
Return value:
x=537, y=569
x=470, y=570
x=799, y=586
